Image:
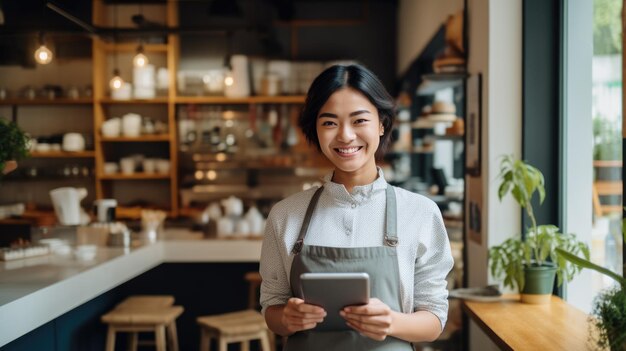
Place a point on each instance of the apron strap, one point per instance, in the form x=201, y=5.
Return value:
x=391, y=237
x=297, y=247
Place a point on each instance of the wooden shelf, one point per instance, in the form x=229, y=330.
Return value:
x=134, y=176
x=156, y=100
x=63, y=154
x=45, y=178
x=437, y=81
x=287, y=99
x=321, y=22
x=57, y=101
x=125, y=212
x=455, y=137
x=190, y=212
x=132, y=47
x=143, y=138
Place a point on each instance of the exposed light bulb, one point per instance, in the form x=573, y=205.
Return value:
x=43, y=55
x=228, y=79
x=117, y=81
x=140, y=60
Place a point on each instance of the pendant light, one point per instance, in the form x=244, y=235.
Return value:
x=43, y=55
x=140, y=60
x=229, y=80
x=117, y=81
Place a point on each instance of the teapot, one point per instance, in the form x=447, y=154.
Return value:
x=255, y=220
x=233, y=206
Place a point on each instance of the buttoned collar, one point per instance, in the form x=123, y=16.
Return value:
x=360, y=193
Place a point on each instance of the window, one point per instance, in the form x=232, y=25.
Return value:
x=606, y=107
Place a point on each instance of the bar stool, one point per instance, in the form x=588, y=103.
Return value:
x=254, y=283
x=241, y=326
x=144, y=313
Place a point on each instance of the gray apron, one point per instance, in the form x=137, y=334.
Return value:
x=381, y=263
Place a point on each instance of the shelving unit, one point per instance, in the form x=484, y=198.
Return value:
x=168, y=104
x=106, y=183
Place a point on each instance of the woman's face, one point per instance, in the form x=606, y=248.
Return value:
x=349, y=130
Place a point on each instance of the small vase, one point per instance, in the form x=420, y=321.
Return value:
x=539, y=281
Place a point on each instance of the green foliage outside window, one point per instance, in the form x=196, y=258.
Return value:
x=607, y=27
x=607, y=140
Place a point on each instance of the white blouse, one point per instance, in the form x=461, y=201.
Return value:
x=342, y=219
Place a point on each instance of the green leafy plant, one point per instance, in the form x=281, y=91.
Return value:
x=13, y=143
x=609, y=307
x=607, y=139
x=538, y=248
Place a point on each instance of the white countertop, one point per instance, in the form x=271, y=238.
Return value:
x=34, y=291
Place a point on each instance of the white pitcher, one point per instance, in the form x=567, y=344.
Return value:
x=66, y=202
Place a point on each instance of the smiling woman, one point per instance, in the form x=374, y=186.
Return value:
x=355, y=222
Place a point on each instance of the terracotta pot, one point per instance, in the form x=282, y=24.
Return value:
x=9, y=166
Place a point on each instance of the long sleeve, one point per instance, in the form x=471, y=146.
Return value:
x=434, y=262
x=275, y=289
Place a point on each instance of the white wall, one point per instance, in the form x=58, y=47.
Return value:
x=495, y=50
x=418, y=20
x=64, y=73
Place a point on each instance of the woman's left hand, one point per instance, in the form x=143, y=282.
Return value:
x=372, y=320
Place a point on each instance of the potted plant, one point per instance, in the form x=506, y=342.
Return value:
x=13, y=146
x=609, y=307
x=530, y=263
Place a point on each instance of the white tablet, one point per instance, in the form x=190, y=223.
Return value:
x=333, y=292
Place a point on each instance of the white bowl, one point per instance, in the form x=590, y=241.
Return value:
x=73, y=142
x=85, y=252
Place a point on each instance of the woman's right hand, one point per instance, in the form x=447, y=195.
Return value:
x=298, y=315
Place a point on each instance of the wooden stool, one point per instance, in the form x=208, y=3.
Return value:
x=155, y=301
x=144, y=313
x=254, y=283
x=242, y=326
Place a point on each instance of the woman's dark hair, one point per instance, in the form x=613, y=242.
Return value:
x=352, y=76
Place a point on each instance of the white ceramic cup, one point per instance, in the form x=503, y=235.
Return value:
x=131, y=125
x=149, y=165
x=127, y=165
x=112, y=128
x=242, y=226
x=111, y=168
x=123, y=93
x=163, y=166
x=225, y=226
